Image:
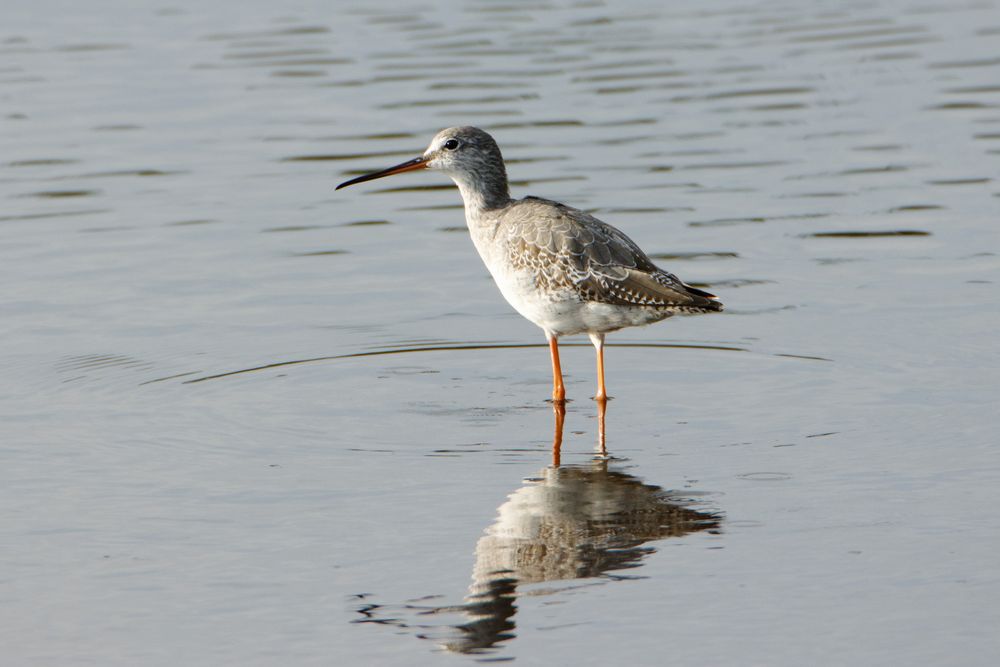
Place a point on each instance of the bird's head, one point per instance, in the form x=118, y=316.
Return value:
x=466, y=154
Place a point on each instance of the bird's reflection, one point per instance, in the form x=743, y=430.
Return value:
x=571, y=522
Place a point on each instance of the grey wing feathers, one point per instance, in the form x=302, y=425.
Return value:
x=569, y=248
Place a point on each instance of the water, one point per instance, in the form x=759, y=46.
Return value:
x=808, y=478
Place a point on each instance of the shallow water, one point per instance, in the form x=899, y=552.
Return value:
x=251, y=420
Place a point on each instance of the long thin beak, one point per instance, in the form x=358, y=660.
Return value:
x=409, y=165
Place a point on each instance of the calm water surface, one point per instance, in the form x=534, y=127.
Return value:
x=809, y=478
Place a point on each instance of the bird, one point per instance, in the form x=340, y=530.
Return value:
x=561, y=268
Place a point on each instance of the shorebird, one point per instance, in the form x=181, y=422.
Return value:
x=562, y=269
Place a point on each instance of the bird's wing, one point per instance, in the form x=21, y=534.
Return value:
x=567, y=248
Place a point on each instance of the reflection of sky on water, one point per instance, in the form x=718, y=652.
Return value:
x=168, y=215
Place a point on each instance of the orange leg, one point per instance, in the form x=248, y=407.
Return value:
x=559, y=409
x=602, y=407
x=558, y=389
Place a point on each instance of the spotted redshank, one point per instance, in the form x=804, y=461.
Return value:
x=559, y=267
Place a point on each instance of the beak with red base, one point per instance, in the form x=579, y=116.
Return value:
x=409, y=165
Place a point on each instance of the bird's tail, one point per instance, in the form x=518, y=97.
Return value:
x=703, y=301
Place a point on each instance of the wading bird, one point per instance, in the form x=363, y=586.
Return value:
x=562, y=269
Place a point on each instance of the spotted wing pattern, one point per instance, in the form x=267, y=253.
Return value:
x=567, y=249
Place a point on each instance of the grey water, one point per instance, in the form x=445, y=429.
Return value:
x=248, y=420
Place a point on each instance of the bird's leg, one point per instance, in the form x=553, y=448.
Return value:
x=559, y=409
x=602, y=395
x=602, y=407
x=598, y=340
x=558, y=390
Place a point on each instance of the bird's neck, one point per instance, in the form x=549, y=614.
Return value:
x=483, y=194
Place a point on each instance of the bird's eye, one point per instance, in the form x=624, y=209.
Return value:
x=451, y=144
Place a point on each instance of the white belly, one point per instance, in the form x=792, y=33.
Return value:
x=559, y=313
x=564, y=313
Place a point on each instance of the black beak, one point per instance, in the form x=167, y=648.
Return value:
x=409, y=165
